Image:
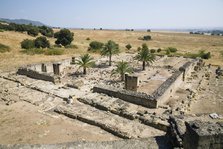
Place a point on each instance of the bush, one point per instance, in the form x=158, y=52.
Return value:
x=27, y=44
x=152, y=51
x=96, y=45
x=64, y=37
x=54, y=52
x=128, y=46
x=148, y=37
x=33, y=31
x=1, y=30
x=159, y=50
x=46, y=31
x=204, y=55
x=41, y=42
x=148, y=30
x=4, y=48
x=88, y=38
x=171, y=49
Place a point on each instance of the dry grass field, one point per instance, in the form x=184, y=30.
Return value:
x=184, y=42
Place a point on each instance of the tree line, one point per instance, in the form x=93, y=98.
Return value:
x=30, y=29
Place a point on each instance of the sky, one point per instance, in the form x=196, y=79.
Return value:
x=117, y=14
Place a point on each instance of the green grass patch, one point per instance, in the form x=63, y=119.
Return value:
x=33, y=51
x=4, y=48
x=221, y=53
x=1, y=30
x=54, y=52
x=71, y=47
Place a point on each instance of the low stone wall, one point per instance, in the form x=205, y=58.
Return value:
x=129, y=96
x=37, y=75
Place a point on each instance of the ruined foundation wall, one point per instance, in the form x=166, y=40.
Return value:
x=36, y=75
x=129, y=96
x=169, y=87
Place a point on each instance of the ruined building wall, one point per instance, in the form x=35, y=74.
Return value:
x=130, y=96
x=169, y=87
x=36, y=75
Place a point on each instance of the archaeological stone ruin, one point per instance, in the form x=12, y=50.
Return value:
x=140, y=110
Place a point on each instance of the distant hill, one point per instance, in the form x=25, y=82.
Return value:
x=22, y=21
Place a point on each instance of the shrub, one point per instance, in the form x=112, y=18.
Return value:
x=159, y=50
x=148, y=30
x=152, y=51
x=95, y=45
x=171, y=49
x=88, y=38
x=64, y=37
x=128, y=46
x=54, y=52
x=1, y=30
x=204, y=55
x=27, y=44
x=41, y=42
x=33, y=31
x=139, y=49
x=4, y=48
x=148, y=37
x=46, y=31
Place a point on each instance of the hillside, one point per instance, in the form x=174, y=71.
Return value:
x=184, y=42
x=22, y=21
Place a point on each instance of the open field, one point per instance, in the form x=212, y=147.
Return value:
x=184, y=42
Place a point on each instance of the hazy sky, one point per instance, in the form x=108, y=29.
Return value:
x=117, y=13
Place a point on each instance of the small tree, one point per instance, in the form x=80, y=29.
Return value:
x=122, y=68
x=41, y=42
x=33, y=31
x=85, y=62
x=96, y=45
x=110, y=49
x=128, y=46
x=145, y=56
x=64, y=37
x=27, y=44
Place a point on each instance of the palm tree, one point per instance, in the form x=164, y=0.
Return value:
x=145, y=56
x=109, y=49
x=122, y=68
x=85, y=61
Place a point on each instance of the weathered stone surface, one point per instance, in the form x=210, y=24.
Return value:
x=130, y=96
x=203, y=135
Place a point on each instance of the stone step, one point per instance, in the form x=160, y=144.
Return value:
x=112, y=123
x=150, y=117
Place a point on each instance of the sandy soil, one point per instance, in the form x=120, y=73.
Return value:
x=22, y=123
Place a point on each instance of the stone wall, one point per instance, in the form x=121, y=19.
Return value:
x=159, y=96
x=203, y=135
x=130, y=96
x=37, y=75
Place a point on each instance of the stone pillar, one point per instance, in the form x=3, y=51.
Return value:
x=73, y=60
x=56, y=68
x=131, y=82
x=43, y=68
